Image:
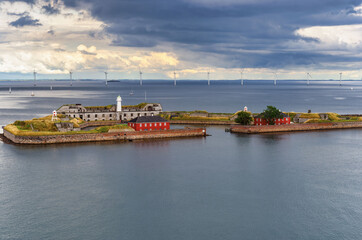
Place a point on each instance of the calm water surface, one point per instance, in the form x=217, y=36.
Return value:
x=226, y=186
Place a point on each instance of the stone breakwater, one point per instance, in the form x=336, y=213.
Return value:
x=97, y=137
x=294, y=127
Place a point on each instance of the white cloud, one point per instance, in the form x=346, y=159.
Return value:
x=335, y=37
x=69, y=45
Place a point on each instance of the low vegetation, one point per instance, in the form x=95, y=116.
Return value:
x=271, y=113
x=140, y=105
x=310, y=115
x=45, y=126
x=104, y=129
x=192, y=116
x=99, y=107
x=244, y=118
x=188, y=118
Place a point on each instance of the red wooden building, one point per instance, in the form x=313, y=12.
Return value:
x=259, y=120
x=149, y=123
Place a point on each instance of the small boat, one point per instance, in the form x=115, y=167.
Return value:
x=131, y=93
x=51, y=87
x=9, y=90
x=32, y=94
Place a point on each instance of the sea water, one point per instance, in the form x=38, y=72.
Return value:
x=303, y=185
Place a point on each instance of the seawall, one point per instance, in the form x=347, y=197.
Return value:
x=295, y=127
x=95, y=137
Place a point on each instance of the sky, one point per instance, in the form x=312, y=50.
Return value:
x=252, y=39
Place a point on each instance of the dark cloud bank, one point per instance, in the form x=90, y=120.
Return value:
x=238, y=32
x=25, y=21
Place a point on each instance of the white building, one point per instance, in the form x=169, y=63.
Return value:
x=110, y=112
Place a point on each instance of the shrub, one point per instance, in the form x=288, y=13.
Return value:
x=271, y=113
x=244, y=118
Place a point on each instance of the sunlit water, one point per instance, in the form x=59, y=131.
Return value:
x=226, y=186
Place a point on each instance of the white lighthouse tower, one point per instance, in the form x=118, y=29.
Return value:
x=119, y=108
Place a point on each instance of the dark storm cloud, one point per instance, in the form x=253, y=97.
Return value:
x=51, y=32
x=48, y=9
x=26, y=1
x=25, y=21
x=18, y=14
x=222, y=28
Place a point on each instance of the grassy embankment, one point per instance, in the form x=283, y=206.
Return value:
x=187, y=116
x=44, y=126
x=332, y=117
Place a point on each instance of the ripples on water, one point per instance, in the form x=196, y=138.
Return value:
x=227, y=186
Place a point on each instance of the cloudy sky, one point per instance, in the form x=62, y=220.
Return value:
x=192, y=37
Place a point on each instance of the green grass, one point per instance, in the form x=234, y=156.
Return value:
x=25, y=132
x=206, y=119
x=140, y=105
x=96, y=107
x=310, y=115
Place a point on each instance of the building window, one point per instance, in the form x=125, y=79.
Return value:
x=103, y=115
x=88, y=116
x=125, y=115
x=110, y=115
x=145, y=114
x=96, y=115
x=131, y=114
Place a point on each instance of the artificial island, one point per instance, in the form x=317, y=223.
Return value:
x=76, y=123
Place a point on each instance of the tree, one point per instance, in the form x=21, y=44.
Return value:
x=244, y=118
x=271, y=113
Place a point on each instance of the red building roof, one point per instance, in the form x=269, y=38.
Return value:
x=148, y=119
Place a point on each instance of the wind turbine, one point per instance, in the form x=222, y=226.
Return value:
x=340, y=79
x=106, y=77
x=34, y=73
x=174, y=77
x=308, y=78
x=275, y=78
x=208, y=77
x=71, y=78
x=241, y=77
x=140, y=75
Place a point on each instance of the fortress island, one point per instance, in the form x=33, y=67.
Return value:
x=76, y=123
